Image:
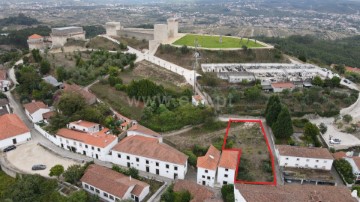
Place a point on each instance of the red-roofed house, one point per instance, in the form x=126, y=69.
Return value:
x=35, y=110
x=279, y=87
x=227, y=167
x=12, y=130
x=36, y=41
x=207, y=166
x=138, y=129
x=352, y=69
x=197, y=100
x=150, y=155
x=73, y=88
x=86, y=138
x=112, y=186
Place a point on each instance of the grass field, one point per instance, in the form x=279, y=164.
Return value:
x=214, y=42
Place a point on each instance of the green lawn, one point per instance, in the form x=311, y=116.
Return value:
x=214, y=41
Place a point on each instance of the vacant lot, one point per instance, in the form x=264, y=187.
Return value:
x=103, y=44
x=205, y=41
x=186, y=58
x=66, y=60
x=134, y=43
x=255, y=158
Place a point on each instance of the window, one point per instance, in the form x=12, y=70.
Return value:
x=316, y=166
x=119, y=155
x=92, y=188
x=317, y=161
x=111, y=197
x=86, y=146
x=157, y=163
x=307, y=160
x=86, y=186
x=92, y=148
x=97, y=191
x=306, y=166
x=167, y=166
x=226, y=169
x=128, y=157
x=225, y=175
x=147, y=161
x=298, y=159
x=206, y=171
x=67, y=141
x=287, y=158
x=137, y=159
x=80, y=144
x=325, y=161
x=286, y=164
x=224, y=182
x=208, y=177
x=175, y=168
x=203, y=176
x=98, y=149
x=297, y=165
x=105, y=194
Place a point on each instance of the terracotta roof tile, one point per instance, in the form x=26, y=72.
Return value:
x=142, y=129
x=73, y=88
x=150, y=148
x=357, y=161
x=48, y=115
x=283, y=85
x=112, y=182
x=86, y=124
x=306, y=152
x=35, y=36
x=210, y=160
x=229, y=159
x=34, y=106
x=11, y=125
x=339, y=155
x=294, y=193
x=99, y=139
x=352, y=69
x=198, y=98
x=198, y=192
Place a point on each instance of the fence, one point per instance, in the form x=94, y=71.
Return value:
x=45, y=134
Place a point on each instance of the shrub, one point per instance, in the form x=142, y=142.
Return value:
x=300, y=123
x=345, y=169
x=347, y=118
x=227, y=193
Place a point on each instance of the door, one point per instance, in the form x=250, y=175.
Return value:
x=175, y=176
x=62, y=145
x=203, y=183
x=97, y=156
x=128, y=165
x=157, y=171
x=14, y=141
x=84, y=152
x=147, y=169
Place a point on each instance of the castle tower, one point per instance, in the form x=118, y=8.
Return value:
x=173, y=27
x=112, y=28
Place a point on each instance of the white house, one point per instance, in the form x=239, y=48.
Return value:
x=227, y=166
x=304, y=157
x=197, y=100
x=35, y=110
x=86, y=138
x=4, y=82
x=207, y=166
x=150, y=155
x=137, y=129
x=12, y=130
x=36, y=41
x=112, y=186
x=293, y=193
x=280, y=86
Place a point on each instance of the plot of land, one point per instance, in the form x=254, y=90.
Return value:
x=206, y=41
x=255, y=162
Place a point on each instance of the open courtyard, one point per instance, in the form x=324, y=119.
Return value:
x=207, y=41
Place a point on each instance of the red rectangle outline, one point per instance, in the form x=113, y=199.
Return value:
x=273, y=183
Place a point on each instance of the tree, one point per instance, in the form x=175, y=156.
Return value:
x=184, y=49
x=335, y=81
x=227, y=193
x=317, y=81
x=302, y=58
x=282, y=128
x=79, y=196
x=56, y=170
x=73, y=173
x=273, y=110
x=253, y=93
x=347, y=118
x=311, y=132
x=70, y=103
x=36, y=55
x=345, y=169
x=322, y=128
x=45, y=67
x=133, y=172
x=340, y=69
x=61, y=74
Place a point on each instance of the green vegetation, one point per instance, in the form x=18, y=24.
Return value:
x=347, y=118
x=300, y=123
x=344, y=168
x=105, y=44
x=74, y=173
x=311, y=134
x=21, y=19
x=56, y=170
x=170, y=196
x=10, y=56
x=227, y=193
x=93, y=30
x=205, y=41
x=356, y=187
x=340, y=51
x=18, y=38
x=133, y=172
x=5, y=182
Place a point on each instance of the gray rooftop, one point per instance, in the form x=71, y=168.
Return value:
x=52, y=81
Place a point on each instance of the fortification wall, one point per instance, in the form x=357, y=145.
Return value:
x=129, y=33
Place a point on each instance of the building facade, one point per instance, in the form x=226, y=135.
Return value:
x=150, y=155
x=228, y=163
x=304, y=157
x=207, y=167
x=35, y=110
x=59, y=36
x=12, y=131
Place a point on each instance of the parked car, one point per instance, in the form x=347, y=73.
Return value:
x=335, y=141
x=9, y=148
x=39, y=167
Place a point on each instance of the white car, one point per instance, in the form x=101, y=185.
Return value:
x=335, y=141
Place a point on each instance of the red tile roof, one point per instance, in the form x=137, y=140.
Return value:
x=283, y=85
x=35, y=36
x=32, y=107
x=99, y=139
x=294, y=193
x=150, y=148
x=229, y=159
x=48, y=115
x=3, y=74
x=73, y=88
x=85, y=124
x=198, y=98
x=210, y=160
x=306, y=152
x=142, y=129
x=339, y=155
x=352, y=69
x=357, y=161
x=198, y=192
x=11, y=125
x=112, y=182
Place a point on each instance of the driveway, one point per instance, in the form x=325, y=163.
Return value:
x=28, y=154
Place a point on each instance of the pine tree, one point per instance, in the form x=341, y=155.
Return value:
x=282, y=128
x=273, y=111
x=272, y=99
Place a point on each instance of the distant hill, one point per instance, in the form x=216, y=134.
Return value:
x=21, y=19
